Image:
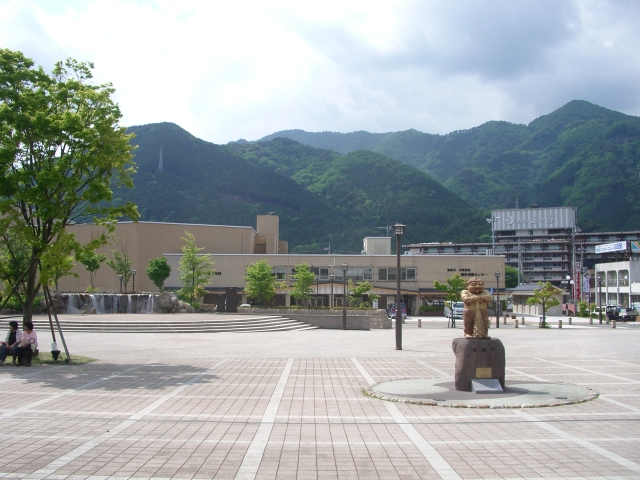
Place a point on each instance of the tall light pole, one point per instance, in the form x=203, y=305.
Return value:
x=345, y=267
x=134, y=281
x=497, y=299
x=492, y=221
x=569, y=281
x=398, y=230
x=331, y=296
x=599, y=280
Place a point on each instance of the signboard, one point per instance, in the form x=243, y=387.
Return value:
x=635, y=247
x=577, y=289
x=612, y=247
x=534, y=218
x=585, y=285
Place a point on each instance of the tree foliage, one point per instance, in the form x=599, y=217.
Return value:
x=61, y=150
x=260, y=281
x=545, y=296
x=120, y=262
x=158, y=271
x=195, y=269
x=510, y=276
x=452, y=287
x=304, y=279
x=15, y=256
x=92, y=262
x=357, y=290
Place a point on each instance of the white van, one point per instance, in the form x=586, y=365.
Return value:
x=458, y=309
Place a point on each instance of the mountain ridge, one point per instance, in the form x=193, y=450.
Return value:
x=579, y=151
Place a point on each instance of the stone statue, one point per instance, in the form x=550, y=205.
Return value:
x=476, y=314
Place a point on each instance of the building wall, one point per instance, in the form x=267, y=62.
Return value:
x=144, y=241
x=547, y=257
x=613, y=288
x=231, y=271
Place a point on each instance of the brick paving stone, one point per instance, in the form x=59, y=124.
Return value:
x=196, y=412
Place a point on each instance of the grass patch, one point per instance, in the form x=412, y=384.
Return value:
x=45, y=358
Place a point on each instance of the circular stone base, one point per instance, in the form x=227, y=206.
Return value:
x=517, y=394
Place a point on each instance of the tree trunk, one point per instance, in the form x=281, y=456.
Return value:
x=31, y=290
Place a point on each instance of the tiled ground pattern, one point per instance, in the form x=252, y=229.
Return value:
x=308, y=418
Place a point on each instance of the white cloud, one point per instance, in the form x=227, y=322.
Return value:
x=229, y=70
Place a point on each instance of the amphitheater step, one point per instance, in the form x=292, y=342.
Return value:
x=93, y=323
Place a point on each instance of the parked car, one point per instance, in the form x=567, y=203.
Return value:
x=392, y=310
x=457, y=308
x=628, y=314
x=605, y=309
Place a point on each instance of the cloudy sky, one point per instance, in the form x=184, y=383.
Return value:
x=244, y=69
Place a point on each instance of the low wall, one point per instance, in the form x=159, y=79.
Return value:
x=356, y=319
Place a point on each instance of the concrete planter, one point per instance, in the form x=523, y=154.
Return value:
x=332, y=319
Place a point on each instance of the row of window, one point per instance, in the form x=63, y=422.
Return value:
x=353, y=273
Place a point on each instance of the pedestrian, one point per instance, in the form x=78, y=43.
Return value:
x=28, y=345
x=11, y=342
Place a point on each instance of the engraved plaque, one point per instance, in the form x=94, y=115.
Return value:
x=483, y=372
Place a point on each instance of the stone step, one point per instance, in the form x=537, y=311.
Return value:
x=172, y=325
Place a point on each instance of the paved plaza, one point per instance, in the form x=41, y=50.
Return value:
x=292, y=405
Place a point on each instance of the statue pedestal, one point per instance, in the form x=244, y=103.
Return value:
x=478, y=359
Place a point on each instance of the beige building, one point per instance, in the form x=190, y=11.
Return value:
x=233, y=249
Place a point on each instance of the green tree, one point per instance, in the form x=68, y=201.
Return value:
x=452, y=287
x=260, y=281
x=158, y=271
x=121, y=264
x=510, y=276
x=358, y=290
x=545, y=296
x=304, y=279
x=92, y=262
x=61, y=149
x=195, y=269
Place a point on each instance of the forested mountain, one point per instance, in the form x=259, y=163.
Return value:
x=321, y=196
x=581, y=155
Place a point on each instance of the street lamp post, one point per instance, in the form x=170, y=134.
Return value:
x=599, y=300
x=345, y=267
x=120, y=276
x=569, y=281
x=331, y=297
x=492, y=221
x=497, y=299
x=398, y=230
x=133, y=272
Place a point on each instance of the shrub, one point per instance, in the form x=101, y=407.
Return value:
x=431, y=308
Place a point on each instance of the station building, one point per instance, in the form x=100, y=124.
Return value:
x=234, y=248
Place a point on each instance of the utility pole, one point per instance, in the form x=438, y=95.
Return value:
x=387, y=228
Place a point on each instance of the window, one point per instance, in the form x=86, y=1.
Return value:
x=389, y=274
x=386, y=274
x=279, y=272
x=367, y=273
x=408, y=274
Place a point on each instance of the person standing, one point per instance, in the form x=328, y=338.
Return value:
x=28, y=344
x=11, y=342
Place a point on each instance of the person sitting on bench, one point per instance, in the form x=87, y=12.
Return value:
x=11, y=342
x=28, y=344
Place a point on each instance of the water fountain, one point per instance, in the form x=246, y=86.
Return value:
x=101, y=303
